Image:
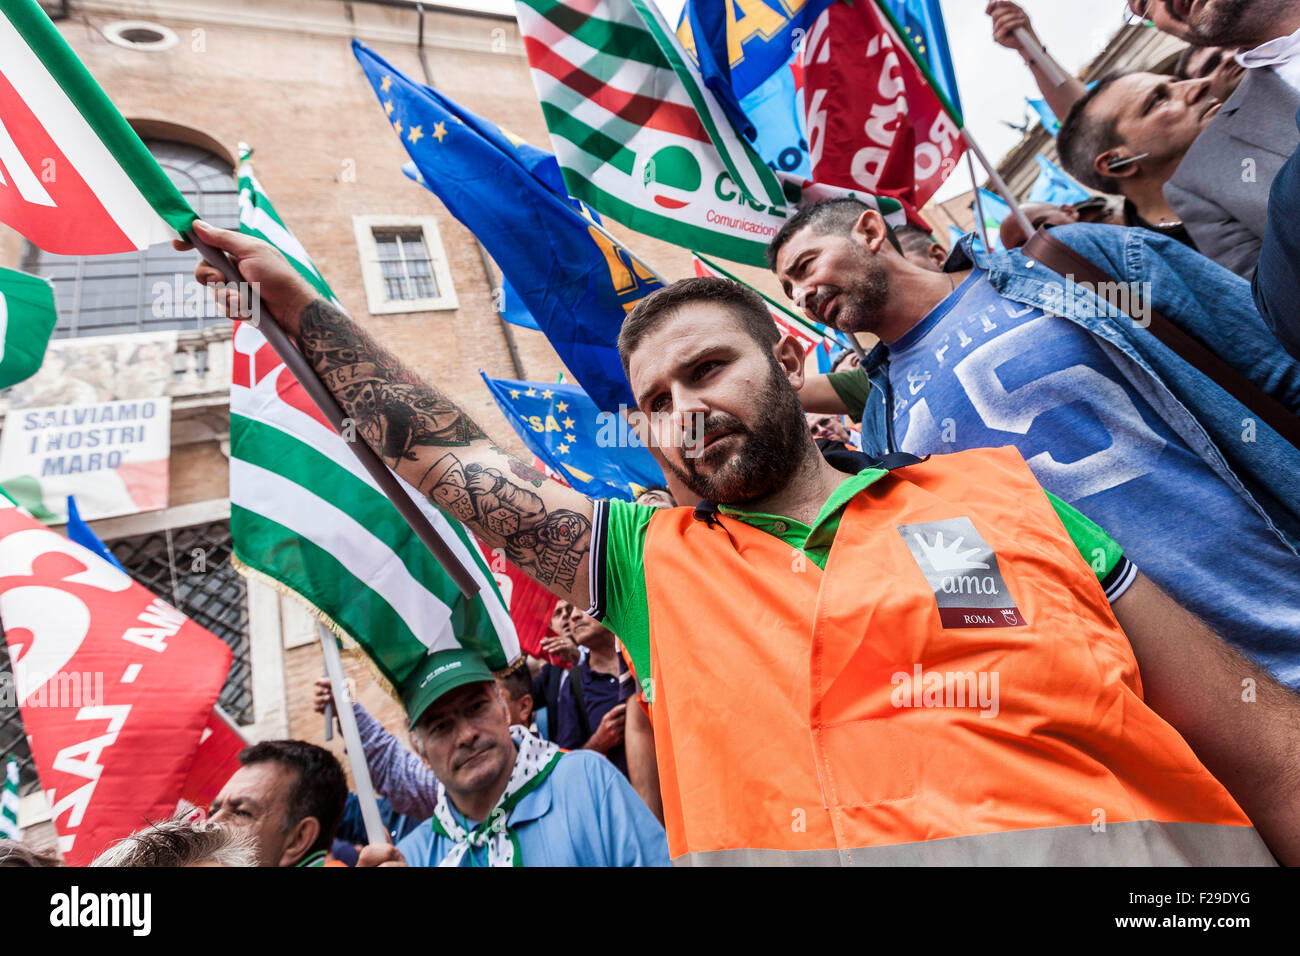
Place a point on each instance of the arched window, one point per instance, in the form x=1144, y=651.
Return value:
x=151, y=290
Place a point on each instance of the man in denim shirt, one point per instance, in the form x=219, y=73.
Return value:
x=1000, y=350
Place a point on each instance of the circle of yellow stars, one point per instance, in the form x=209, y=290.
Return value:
x=413, y=133
x=560, y=407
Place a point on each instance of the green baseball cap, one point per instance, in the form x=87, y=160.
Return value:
x=438, y=673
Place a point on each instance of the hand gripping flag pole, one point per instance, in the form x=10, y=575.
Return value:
x=388, y=483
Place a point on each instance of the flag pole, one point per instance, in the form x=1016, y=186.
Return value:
x=376, y=832
x=998, y=183
x=979, y=204
x=1037, y=56
x=388, y=483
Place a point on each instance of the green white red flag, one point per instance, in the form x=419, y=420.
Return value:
x=640, y=138
x=75, y=179
x=306, y=515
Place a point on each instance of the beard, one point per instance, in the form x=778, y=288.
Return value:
x=863, y=302
x=1234, y=23
x=768, y=453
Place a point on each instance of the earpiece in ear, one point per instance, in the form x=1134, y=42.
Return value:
x=1117, y=163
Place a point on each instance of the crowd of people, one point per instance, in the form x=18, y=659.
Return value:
x=1020, y=585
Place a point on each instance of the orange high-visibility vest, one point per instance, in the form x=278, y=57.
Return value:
x=924, y=700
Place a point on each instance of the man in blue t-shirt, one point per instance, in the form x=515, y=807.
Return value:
x=968, y=367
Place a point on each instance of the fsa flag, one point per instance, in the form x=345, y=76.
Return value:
x=74, y=177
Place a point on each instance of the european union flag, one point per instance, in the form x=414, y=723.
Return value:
x=1053, y=185
x=922, y=23
x=576, y=283
x=597, y=452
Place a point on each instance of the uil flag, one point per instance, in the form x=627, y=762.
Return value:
x=597, y=452
x=75, y=179
x=113, y=684
x=877, y=118
x=27, y=318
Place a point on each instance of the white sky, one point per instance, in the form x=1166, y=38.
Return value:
x=992, y=80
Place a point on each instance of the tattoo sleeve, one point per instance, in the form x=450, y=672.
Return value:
x=412, y=427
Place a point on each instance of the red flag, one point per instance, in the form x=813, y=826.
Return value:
x=530, y=604
x=215, y=762
x=874, y=121
x=114, y=685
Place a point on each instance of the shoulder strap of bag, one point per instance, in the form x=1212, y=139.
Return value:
x=1061, y=259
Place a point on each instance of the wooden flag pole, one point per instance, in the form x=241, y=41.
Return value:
x=376, y=832
x=388, y=483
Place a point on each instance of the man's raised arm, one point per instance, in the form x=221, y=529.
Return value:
x=543, y=527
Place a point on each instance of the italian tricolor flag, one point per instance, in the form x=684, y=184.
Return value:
x=75, y=179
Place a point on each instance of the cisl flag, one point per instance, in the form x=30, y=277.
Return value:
x=75, y=179
x=114, y=685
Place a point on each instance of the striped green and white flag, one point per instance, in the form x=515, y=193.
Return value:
x=306, y=515
x=27, y=317
x=9, y=802
x=75, y=179
x=640, y=138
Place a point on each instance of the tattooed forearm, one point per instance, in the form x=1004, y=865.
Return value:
x=549, y=546
x=410, y=424
x=394, y=411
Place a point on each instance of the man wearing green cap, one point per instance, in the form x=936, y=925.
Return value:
x=506, y=797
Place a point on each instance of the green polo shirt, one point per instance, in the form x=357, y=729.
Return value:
x=618, y=556
x=852, y=387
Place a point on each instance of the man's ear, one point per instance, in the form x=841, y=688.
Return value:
x=526, y=709
x=870, y=230
x=790, y=355
x=301, y=837
x=1101, y=164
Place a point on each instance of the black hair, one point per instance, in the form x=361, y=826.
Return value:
x=829, y=217
x=744, y=303
x=1082, y=138
x=320, y=790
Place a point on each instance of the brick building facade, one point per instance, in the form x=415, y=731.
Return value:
x=195, y=79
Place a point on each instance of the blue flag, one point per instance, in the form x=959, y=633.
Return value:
x=576, y=283
x=922, y=23
x=739, y=48
x=995, y=210
x=1045, y=115
x=1055, y=186
x=80, y=532
x=596, y=452
x=776, y=110
x=506, y=299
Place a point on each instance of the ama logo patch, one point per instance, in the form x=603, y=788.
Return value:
x=673, y=177
x=962, y=571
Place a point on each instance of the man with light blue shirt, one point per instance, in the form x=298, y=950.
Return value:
x=999, y=350
x=506, y=797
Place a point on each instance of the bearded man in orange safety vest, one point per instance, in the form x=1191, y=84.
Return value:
x=932, y=661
